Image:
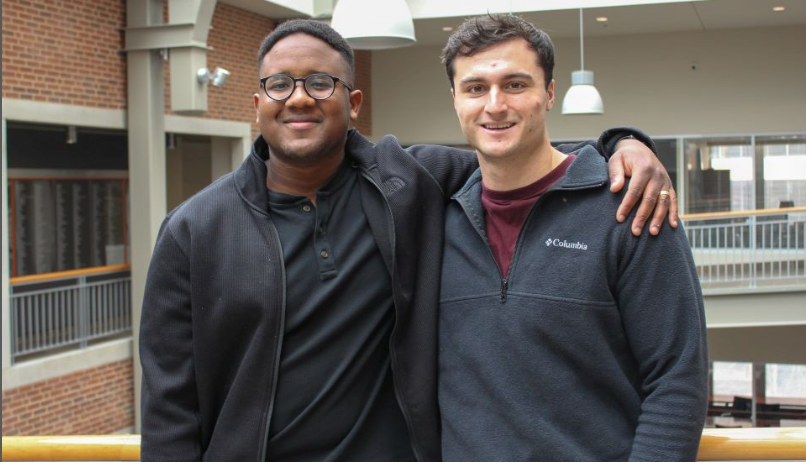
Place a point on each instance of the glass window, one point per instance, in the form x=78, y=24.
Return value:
x=719, y=174
x=784, y=170
x=786, y=383
x=67, y=198
x=732, y=379
x=63, y=224
x=667, y=154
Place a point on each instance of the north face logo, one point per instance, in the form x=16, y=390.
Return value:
x=392, y=185
x=566, y=244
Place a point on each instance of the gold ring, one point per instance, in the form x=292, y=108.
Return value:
x=664, y=192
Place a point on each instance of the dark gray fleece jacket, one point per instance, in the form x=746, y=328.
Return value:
x=592, y=348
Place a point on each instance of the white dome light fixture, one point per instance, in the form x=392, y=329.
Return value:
x=374, y=24
x=582, y=97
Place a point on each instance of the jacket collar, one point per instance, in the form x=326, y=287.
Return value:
x=250, y=177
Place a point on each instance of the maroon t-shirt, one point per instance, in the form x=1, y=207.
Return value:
x=506, y=211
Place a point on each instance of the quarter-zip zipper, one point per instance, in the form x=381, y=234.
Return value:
x=502, y=278
x=507, y=280
x=278, y=348
x=392, y=355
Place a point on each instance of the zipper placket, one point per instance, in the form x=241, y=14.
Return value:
x=392, y=355
x=507, y=280
x=502, y=279
x=278, y=348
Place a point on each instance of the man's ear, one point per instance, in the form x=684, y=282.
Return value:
x=356, y=98
x=550, y=92
x=256, y=101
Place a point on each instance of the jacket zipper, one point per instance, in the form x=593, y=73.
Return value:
x=505, y=280
x=392, y=355
x=278, y=351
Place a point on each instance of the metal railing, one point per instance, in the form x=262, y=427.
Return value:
x=748, y=249
x=764, y=444
x=744, y=249
x=70, y=309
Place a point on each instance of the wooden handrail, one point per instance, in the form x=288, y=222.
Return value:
x=72, y=448
x=751, y=444
x=71, y=273
x=746, y=444
x=751, y=212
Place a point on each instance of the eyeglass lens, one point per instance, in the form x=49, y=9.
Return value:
x=318, y=86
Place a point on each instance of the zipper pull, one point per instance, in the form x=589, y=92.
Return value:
x=504, y=285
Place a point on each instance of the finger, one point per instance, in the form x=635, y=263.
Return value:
x=649, y=200
x=631, y=198
x=616, y=168
x=674, y=219
x=635, y=192
x=661, y=208
x=644, y=212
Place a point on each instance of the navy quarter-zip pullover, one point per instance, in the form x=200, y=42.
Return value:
x=592, y=348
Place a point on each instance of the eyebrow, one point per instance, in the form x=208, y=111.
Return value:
x=516, y=75
x=285, y=73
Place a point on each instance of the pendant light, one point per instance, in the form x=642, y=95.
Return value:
x=374, y=24
x=582, y=97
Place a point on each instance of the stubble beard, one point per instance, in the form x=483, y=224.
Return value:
x=308, y=154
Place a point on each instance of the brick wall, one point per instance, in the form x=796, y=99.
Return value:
x=235, y=38
x=92, y=401
x=64, y=52
x=69, y=52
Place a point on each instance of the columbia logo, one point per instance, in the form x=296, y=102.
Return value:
x=565, y=244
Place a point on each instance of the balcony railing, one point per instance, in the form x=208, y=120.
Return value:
x=749, y=249
x=732, y=250
x=64, y=310
x=749, y=444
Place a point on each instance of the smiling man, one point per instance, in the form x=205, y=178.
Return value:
x=562, y=336
x=290, y=310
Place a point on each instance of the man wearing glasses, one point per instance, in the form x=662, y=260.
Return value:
x=290, y=307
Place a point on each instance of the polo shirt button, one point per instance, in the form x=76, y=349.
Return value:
x=307, y=208
x=324, y=254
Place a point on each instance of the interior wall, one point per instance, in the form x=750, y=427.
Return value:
x=173, y=177
x=722, y=82
x=771, y=344
x=188, y=168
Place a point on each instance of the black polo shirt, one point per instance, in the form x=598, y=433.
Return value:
x=335, y=400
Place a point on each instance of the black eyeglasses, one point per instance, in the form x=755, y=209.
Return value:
x=318, y=86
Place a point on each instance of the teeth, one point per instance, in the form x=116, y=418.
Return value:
x=498, y=126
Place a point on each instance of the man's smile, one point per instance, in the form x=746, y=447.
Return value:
x=300, y=122
x=497, y=126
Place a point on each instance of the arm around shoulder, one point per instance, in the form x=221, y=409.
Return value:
x=449, y=166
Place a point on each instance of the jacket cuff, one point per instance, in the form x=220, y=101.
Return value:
x=610, y=138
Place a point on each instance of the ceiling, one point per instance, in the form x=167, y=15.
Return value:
x=560, y=18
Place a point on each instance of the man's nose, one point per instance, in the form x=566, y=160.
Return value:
x=299, y=97
x=496, y=101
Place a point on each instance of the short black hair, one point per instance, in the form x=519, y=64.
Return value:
x=479, y=33
x=312, y=28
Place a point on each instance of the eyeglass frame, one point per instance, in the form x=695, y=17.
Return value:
x=303, y=79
